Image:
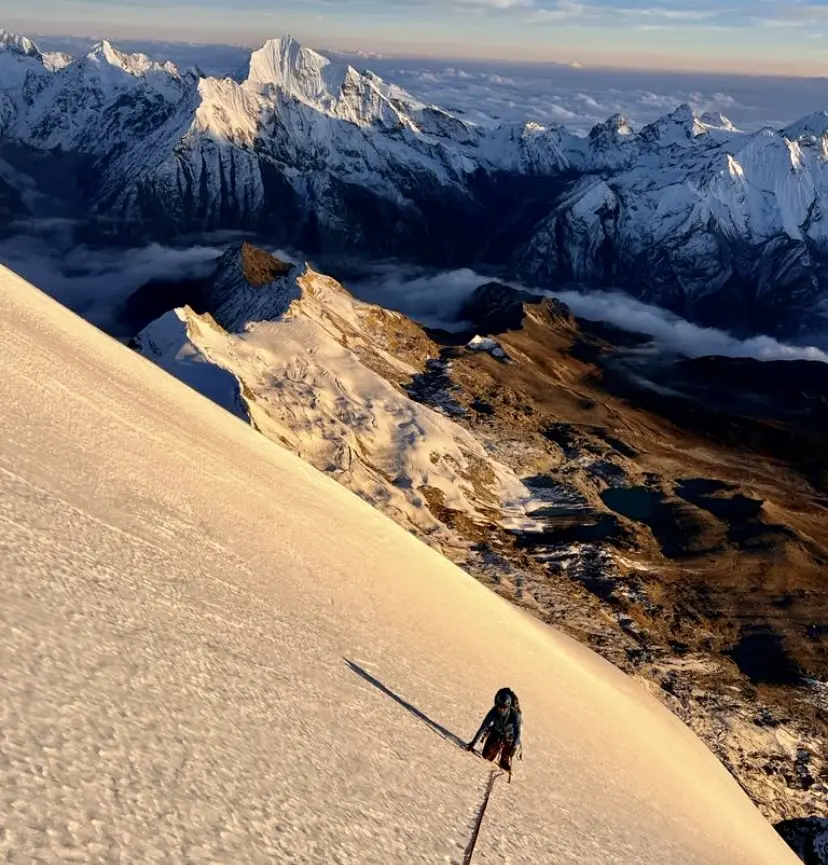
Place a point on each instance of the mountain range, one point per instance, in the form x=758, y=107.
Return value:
x=722, y=226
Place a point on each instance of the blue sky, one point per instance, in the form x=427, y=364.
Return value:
x=788, y=36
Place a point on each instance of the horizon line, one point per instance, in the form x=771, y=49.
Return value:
x=689, y=64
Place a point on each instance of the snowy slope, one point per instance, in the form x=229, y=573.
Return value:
x=307, y=357
x=180, y=600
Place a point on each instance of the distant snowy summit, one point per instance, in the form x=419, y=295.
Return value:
x=722, y=226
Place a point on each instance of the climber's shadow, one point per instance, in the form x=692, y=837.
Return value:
x=438, y=728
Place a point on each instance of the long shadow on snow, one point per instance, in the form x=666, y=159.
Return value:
x=439, y=729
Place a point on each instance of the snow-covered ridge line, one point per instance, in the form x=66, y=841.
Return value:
x=285, y=65
x=313, y=368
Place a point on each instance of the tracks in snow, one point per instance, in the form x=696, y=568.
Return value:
x=481, y=813
x=445, y=734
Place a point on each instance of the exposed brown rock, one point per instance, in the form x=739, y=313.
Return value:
x=259, y=267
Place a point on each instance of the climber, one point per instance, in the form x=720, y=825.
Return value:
x=501, y=729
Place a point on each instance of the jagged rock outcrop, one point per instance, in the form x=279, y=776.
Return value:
x=494, y=308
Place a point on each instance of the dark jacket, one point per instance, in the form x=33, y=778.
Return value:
x=506, y=726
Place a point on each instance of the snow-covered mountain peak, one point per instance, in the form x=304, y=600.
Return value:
x=336, y=89
x=531, y=148
x=105, y=54
x=814, y=125
x=23, y=74
x=82, y=106
x=297, y=71
x=226, y=112
x=615, y=126
x=680, y=127
x=14, y=43
x=18, y=45
x=612, y=134
x=717, y=120
x=684, y=115
x=769, y=155
x=613, y=143
x=327, y=375
x=251, y=286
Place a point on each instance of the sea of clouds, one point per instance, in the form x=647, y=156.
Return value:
x=94, y=283
x=579, y=98
x=437, y=300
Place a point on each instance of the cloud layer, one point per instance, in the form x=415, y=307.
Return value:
x=94, y=283
x=437, y=299
x=579, y=98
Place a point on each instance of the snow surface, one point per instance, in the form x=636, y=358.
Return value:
x=485, y=343
x=181, y=598
x=170, y=342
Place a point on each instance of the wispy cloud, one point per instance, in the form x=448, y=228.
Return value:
x=438, y=299
x=618, y=15
x=792, y=14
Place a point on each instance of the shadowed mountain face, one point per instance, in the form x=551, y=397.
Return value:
x=808, y=837
x=675, y=515
x=776, y=409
